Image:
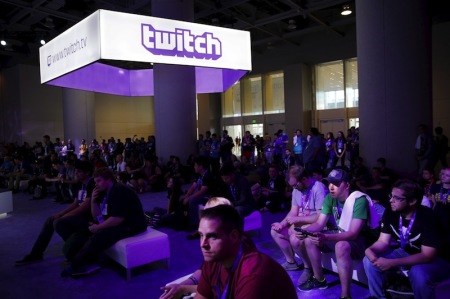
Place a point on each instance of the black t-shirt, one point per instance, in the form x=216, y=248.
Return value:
x=209, y=181
x=124, y=202
x=442, y=212
x=425, y=230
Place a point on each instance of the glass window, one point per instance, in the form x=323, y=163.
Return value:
x=252, y=96
x=330, y=85
x=232, y=101
x=255, y=129
x=351, y=83
x=353, y=122
x=274, y=93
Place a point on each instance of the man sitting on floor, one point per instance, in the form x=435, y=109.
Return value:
x=418, y=237
x=352, y=212
x=235, y=269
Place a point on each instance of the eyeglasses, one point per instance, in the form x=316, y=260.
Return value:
x=396, y=198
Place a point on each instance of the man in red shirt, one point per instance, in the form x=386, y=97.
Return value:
x=234, y=269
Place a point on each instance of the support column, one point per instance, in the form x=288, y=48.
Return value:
x=175, y=94
x=297, y=95
x=79, y=116
x=394, y=77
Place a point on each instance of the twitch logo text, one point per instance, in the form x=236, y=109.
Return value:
x=181, y=43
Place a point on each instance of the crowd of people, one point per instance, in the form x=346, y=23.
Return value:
x=334, y=203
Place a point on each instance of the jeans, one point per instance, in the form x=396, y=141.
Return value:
x=423, y=277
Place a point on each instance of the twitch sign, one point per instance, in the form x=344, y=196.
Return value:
x=181, y=43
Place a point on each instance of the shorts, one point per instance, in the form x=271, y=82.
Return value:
x=358, y=246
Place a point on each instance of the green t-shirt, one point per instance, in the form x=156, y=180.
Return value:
x=360, y=208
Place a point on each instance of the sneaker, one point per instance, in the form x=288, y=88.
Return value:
x=29, y=259
x=85, y=271
x=306, y=275
x=313, y=283
x=290, y=266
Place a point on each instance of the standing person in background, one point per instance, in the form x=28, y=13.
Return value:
x=340, y=149
x=442, y=148
x=226, y=146
x=314, y=152
x=329, y=147
x=214, y=157
x=424, y=148
x=299, y=145
x=83, y=149
x=267, y=148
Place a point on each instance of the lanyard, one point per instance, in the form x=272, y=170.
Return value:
x=228, y=281
x=233, y=192
x=339, y=210
x=200, y=181
x=103, y=203
x=307, y=197
x=404, y=237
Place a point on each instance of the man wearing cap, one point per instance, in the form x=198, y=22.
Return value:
x=352, y=213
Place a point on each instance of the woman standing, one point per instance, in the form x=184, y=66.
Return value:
x=340, y=148
x=330, y=154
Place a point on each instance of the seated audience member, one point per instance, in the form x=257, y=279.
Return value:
x=352, y=212
x=189, y=286
x=440, y=191
x=237, y=189
x=288, y=161
x=232, y=268
x=270, y=192
x=199, y=192
x=416, y=233
x=22, y=171
x=307, y=198
x=375, y=187
x=70, y=184
x=439, y=201
x=387, y=174
x=68, y=221
x=176, y=216
x=134, y=170
x=6, y=168
x=152, y=179
x=121, y=165
x=427, y=180
x=118, y=214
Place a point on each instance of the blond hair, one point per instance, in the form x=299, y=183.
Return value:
x=215, y=201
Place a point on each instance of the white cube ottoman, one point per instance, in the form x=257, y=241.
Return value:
x=147, y=247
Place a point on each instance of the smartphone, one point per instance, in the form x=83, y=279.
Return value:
x=304, y=232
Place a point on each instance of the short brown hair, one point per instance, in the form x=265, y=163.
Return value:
x=105, y=173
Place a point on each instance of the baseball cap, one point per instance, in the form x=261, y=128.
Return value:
x=336, y=176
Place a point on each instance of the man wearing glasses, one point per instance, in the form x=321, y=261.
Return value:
x=416, y=234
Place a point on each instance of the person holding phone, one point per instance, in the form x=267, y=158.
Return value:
x=307, y=198
x=352, y=212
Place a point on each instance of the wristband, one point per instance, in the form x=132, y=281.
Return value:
x=194, y=280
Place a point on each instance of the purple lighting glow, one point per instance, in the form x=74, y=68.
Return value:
x=108, y=79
